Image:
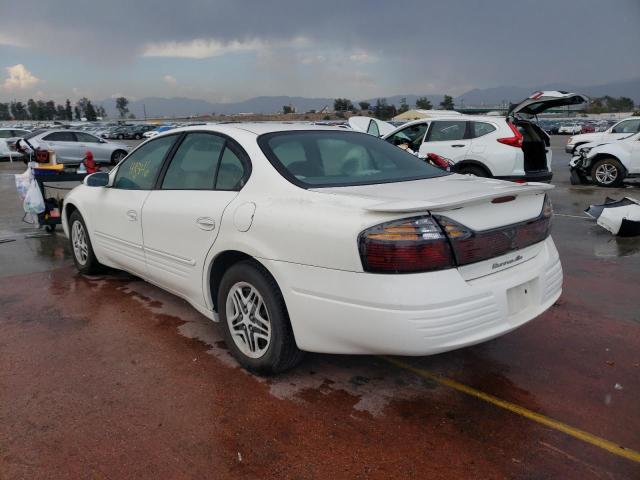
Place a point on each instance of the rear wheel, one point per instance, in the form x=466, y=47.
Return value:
x=83, y=256
x=255, y=321
x=607, y=172
x=473, y=170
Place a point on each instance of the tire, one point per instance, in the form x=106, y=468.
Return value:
x=117, y=156
x=244, y=287
x=81, y=249
x=138, y=136
x=473, y=170
x=607, y=172
x=50, y=228
x=577, y=178
x=120, y=137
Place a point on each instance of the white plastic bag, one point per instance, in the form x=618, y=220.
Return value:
x=22, y=182
x=33, y=201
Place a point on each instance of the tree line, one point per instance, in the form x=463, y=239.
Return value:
x=384, y=111
x=41, y=110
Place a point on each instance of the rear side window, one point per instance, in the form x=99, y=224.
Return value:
x=140, y=169
x=231, y=171
x=60, y=137
x=628, y=126
x=6, y=133
x=442, y=131
x=478, y=129
x=194, y=164
x=373, y=129
x=86, y=138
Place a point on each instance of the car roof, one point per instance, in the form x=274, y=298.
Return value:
x=260, y=128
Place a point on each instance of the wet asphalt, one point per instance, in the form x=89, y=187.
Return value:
x=110, y=377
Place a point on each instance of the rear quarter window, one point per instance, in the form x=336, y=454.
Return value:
x=479, y=129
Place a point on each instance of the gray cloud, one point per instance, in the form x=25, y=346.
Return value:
x=470, y=43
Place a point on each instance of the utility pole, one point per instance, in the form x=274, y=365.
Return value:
x=144, y=109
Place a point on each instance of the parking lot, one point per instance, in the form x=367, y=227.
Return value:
x=111, y=377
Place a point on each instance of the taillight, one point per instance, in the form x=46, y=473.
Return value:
x=405, y=246
x=516, y=140
x=439, y=161
x=470, y=246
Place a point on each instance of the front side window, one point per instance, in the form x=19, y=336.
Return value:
x=628, y=126
x=194, y=164
x=411, y=135
x=86, y=138
x=140, y=169
x=336, y=158
x=60, y=137
x=373, y=128
x=442, y=131
x=478, y=129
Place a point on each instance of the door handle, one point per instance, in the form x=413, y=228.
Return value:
x=206, y=223
x=132, y=215
x=458, y=145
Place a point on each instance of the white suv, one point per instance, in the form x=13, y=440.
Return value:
x=622, y=129
x=510, y=148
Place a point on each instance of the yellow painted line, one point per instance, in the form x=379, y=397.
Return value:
x=586, y=437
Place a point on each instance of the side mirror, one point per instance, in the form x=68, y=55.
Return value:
x=98, y=179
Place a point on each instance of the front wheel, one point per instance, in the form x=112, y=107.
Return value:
x=83, y=256
x=117, y=156
x=255, y=321
x=607, y=172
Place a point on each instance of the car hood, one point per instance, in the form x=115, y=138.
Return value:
x=605, y=141
x=538, y=102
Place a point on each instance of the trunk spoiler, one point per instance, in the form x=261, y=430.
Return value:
x=458, y=200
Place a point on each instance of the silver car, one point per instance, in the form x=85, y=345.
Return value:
x=71, y=145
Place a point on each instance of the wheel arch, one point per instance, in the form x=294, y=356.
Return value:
x=222, y=262
x=472, y=163
x=602, y=155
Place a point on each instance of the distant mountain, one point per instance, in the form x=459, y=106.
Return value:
x=182, y=107
x=498, y=95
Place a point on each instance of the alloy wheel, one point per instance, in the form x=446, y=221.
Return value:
x=79, y=241
x=248, y=320
x=606, y=173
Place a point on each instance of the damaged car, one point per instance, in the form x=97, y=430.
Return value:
x=509, y=148
x=607, y=164
x=619, y=130
x=307, y=238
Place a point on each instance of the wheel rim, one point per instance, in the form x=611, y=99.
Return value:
x=117, y=157
x=248, y=320
x=606, y=173
x=79, y=242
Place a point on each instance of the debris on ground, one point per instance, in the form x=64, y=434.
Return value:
x=620, y=217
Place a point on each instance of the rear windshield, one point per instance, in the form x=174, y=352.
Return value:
x=339, y=158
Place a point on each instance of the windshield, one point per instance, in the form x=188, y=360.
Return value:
x=340, y=158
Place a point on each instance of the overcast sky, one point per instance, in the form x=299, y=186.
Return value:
x=224, y=50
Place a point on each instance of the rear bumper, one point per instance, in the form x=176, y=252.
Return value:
x=539, y=176
x=335, y=311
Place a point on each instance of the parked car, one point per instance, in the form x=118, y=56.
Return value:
x=137, y=131
x=621, y=129
x=9, y=137
x=511, y=148
x=119, y=132
x=71, y=145
x=308, y=238
x=157, y=131
x=569, y=129
x=607, y=163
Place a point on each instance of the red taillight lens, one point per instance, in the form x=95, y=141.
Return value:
x=516, y=140
x=438, y=161
x=405, y=246
x=470, y=246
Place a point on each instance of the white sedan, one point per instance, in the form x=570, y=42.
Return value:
x=307, y=238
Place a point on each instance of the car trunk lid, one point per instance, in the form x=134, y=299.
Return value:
x=538, y=102
x=485, y=206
